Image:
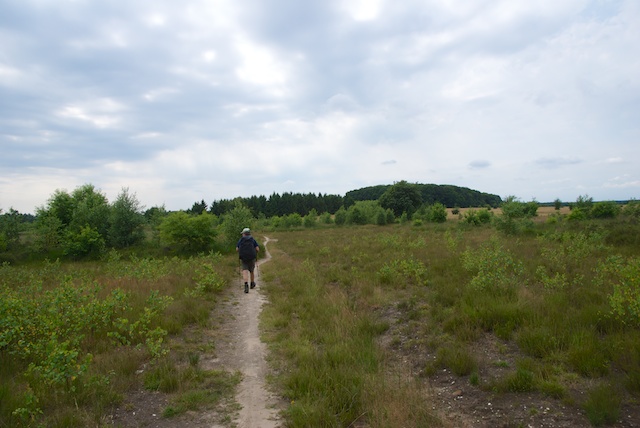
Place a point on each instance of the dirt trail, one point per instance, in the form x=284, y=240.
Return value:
x=238, y=348
x=246, y=353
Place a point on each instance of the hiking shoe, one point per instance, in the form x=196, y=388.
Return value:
x=246, y=287
x=253, y=285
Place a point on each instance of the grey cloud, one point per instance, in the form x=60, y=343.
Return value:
x=479, y=164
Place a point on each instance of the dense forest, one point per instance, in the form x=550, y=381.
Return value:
x=446, y=194
x=276, y=204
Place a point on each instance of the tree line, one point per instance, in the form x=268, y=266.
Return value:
x=83, y=223
x=302, y=203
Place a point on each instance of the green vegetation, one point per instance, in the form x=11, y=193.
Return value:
x=353, y=290
x=74, y=335
x=562, y=297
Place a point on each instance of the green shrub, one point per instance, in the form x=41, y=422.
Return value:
x=494, y=268
x=437, y=213
x=311, y=219
x=340, y=217
x=624, y=276
x=325, y=218
x=403, y=271
x=578, y=214
x=632, y=209
x=292, y=220
x=190, y=233
x=607, y=209
x=471, y=217
x=85, y=242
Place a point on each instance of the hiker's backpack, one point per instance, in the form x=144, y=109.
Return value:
x=247, y=249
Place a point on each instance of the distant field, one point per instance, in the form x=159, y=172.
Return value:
x=543, y=212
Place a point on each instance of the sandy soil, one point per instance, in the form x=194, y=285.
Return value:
x=245, y=352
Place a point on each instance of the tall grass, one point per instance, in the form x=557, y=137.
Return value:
x=323, y=330
x=563, y=295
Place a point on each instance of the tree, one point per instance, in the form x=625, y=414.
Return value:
x=9, y=229
x=48, y=230
x=61, y=206
x=64, y=220
x=402, y=197
x=581, y=209
x=557, y=204
x=126, y=220
x=198, y=207
x=234, y=221
x=90, y=208
x=516, y=215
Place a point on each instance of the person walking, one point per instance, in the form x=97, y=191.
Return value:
x=248, y=249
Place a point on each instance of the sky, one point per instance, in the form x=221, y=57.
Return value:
x=183, y=101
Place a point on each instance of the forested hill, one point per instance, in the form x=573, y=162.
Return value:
x=448, y=195
x=288, y=203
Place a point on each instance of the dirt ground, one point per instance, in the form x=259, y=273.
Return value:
x=238, y=348
x=462, y=405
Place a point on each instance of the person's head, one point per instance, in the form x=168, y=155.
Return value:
x=246, y=231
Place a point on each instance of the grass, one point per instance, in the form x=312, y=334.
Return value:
x=436, y=291
x=602, y=405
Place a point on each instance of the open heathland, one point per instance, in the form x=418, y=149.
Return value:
x=485, y=319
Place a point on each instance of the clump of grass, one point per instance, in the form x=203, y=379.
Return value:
x=163, y=377
x=522, y=380
x=201, y=389
x=457, y=357
x=587, y=356
x=553, y=389
x=538, y=341
x=602, y=405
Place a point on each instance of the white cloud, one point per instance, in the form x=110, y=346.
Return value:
x=102, y=113
x=537, y=98
x=260, y=66
x=363, y=10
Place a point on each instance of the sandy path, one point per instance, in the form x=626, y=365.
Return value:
x=246, y=353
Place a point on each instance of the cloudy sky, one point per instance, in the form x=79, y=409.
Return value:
x=180, y=101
